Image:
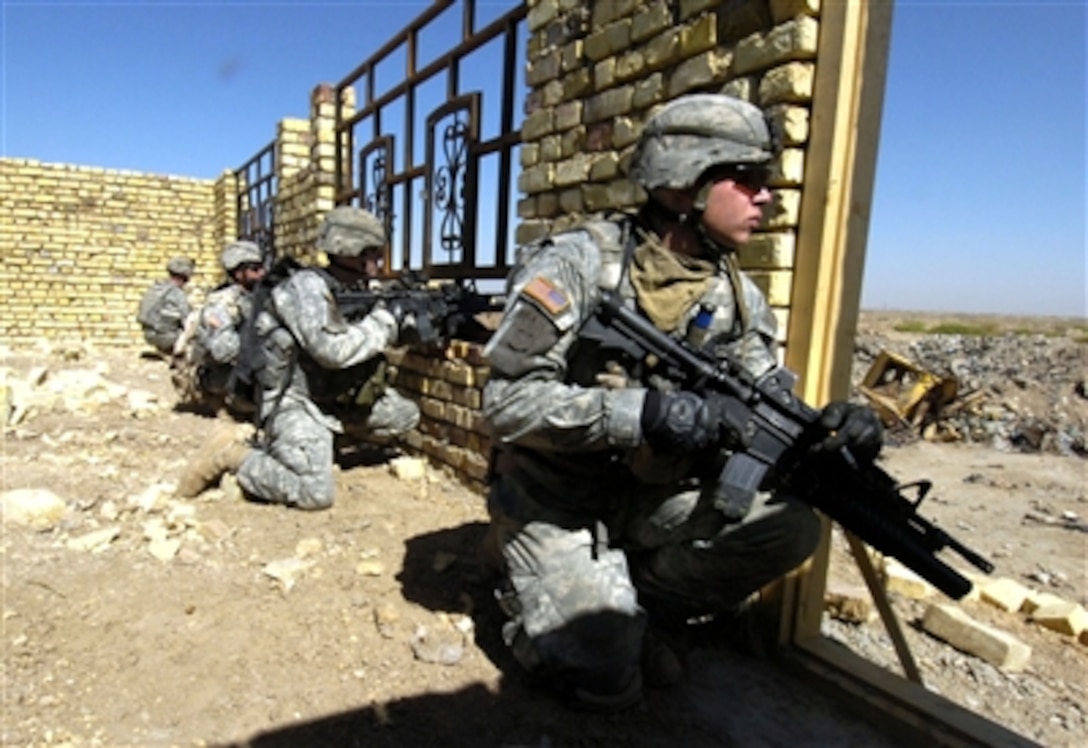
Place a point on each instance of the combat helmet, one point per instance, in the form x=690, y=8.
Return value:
x=694, y=133
x=348, y=231
x=239, y=253
x=182, y=266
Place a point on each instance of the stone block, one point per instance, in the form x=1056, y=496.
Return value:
x=1004, y=593
x=789, y=83
x=1037, y=599
x=901, y=580
x=793, y=40
x=1065, y=617
x=782, y=10
x=999, y=648
x=699, y=72
x=650, y=20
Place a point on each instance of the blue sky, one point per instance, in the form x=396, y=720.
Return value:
x=980, y=195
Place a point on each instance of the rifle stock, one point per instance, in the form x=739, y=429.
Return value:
x=777, y=431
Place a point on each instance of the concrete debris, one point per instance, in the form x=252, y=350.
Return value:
x=1017, y=393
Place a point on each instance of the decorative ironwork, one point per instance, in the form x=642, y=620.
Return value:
x=451, y=182
x=375, y=192
x=255, y=199
x=430, y=207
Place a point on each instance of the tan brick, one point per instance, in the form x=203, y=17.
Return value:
x=1037, y=599
x=1004, y=593
x=776, y=285
x=650, y=20
x=769, y=251
x=698, y=72
x=1065, y=617
x=789, y=83
x=901, y=580
x=999, y=648
x=782, y=10
x=784, y=211
x=793, y=40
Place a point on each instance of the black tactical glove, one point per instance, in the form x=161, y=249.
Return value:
x=414, y=325
x=855, y=427
x=679, y=421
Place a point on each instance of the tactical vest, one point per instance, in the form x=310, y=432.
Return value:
x=270, y=358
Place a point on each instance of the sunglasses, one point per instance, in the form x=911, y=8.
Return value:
x=753, y=177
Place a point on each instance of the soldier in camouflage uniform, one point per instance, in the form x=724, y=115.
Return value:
x=322, y=376
x=210, y=345
x=602, y=484
x=164, y=307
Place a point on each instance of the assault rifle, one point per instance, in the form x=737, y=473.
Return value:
x=436, y=313
x=777, y=431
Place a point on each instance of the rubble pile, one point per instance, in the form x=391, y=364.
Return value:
x=1014, y=392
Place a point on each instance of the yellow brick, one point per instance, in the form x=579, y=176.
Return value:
x=999, y=648
x=1065, y=617
x=1004, y=593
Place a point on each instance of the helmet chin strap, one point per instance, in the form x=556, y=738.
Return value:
x=693, y=219
x=714, y=249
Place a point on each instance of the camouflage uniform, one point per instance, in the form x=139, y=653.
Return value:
x=319, y=379
x=210, y=346
x=592, y=523
x=164, y=308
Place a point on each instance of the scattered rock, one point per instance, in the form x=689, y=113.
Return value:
x=94, y=541
x=286, y=571
x=408, y=468
x=37, y=508
x=849, y=602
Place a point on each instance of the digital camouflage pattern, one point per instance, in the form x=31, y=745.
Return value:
x=210, y=346
x=349, y=231
x=162, y=314
x=591, y=522
x=316, y=365
x=694, y=133
x=182, y=266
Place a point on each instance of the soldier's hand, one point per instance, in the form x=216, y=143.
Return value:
x=415, y=325
x=679, y=421
x=855, y=427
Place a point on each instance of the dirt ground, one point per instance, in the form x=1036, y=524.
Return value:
x=142, y=620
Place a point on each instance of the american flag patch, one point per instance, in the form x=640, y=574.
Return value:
x=548, y=296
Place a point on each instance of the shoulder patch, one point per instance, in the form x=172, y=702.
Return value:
x=546, y=295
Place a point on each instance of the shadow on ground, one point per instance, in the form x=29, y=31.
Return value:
x=727, y=699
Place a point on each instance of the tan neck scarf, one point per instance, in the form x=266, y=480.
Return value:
x=667, y=284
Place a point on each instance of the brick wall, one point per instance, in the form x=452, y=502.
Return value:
x=79, y=246
x=597, y=69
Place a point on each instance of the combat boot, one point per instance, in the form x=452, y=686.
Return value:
x=222, y=452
